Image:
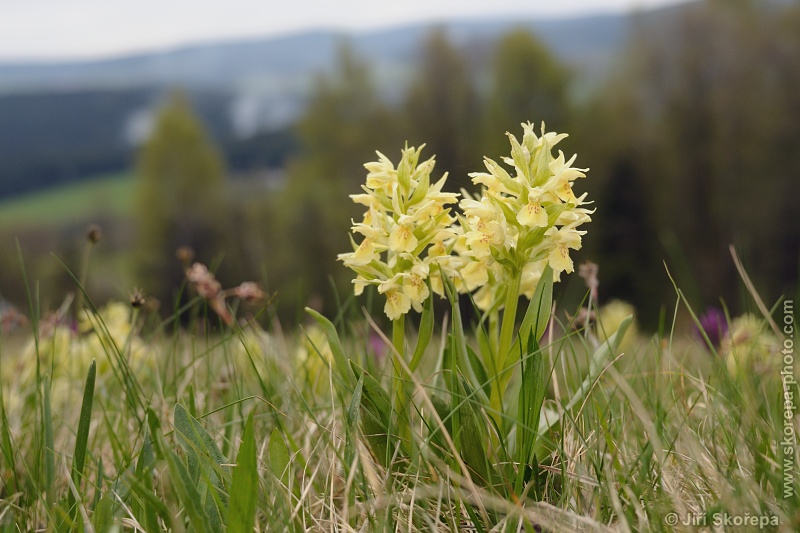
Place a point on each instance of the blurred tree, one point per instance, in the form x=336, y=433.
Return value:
x=528, y=84
x=342, y=127
x=441, y=110
x=181, y=198
x=703, y=118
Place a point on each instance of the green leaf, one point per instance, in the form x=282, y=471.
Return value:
x=481, y=377
x=193, y=437
x=376, y=416
x=437, y=440
x=352, y=422
x=145, y=461
x=473, y=434
x=182, y=484
x=540, y=306
x=82, y=436
x=425, y=332
x=98, y=488
x=459, y=339
x=531, y=398
x=244, y=487
x=279, y=456
x=150, y=501
x=8, y=449
x=336, y=345
x=536, y=318
x=144, y=473
x=204, y=460
x=189, y=495
x=103, y=516
x=355, y=403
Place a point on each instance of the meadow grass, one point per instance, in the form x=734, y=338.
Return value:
x=133, y=424
x=218, y=418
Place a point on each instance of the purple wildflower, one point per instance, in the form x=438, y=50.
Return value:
x=713, y=323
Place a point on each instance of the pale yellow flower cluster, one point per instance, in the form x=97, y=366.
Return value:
x=517, y=226
x=313, y=357
x=609, y=318
x=113, y=325
x=404, y=231
x=102, y=335
x=750, y=347
x=521, y=222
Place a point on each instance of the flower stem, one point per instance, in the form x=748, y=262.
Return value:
x=399, y=335
x=506, y=337
x=400, y=391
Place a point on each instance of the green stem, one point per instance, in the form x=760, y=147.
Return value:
x=509, y=320
x=400, y=391
x=84, y=275
x=399, y=335
x=506, y=337
x=494, y=330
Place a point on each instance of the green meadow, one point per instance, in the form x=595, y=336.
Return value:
x=496, y=409
x=108, y=195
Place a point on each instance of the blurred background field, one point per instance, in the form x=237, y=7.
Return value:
x=246, y=150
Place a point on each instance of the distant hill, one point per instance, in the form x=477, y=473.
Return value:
x=281, y=62
x=63, y=120
x=270, y=79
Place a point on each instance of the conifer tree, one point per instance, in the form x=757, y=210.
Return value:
x=442, y=110
x=527, y=84
x=180, y=197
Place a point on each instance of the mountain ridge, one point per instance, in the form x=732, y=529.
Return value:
x=226, y=64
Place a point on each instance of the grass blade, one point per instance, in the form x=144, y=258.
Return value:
x=49, y=446
x=600, y=357
x=82, y=438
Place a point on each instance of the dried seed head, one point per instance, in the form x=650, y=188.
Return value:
x=218, y=305
x=137, y=298
x=249, y=291
x=203, y=281
x=94, y=233
x=588, y=271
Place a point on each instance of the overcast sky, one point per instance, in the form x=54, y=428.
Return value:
x=38, y=29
